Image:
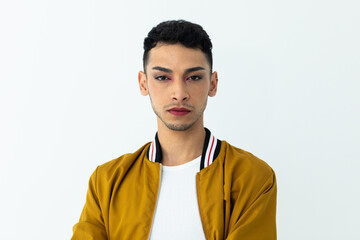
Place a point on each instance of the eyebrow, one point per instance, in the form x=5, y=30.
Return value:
x=193, y=69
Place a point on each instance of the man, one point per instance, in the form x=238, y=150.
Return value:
x=186, y=184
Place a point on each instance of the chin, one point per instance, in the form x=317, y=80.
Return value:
x=178, y=127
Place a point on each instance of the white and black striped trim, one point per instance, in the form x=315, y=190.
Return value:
x=210, y=151
x=154, y=151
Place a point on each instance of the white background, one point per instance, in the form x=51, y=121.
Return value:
x=288, y=92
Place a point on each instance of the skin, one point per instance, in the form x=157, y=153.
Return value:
x=177, y=76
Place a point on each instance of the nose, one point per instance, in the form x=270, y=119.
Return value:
x=179, y=90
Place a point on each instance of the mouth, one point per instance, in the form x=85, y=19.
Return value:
x=179, y=111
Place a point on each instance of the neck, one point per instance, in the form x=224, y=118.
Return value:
x=179, y=147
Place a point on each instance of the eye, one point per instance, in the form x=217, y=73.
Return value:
x=194, y=78
x=162, y=78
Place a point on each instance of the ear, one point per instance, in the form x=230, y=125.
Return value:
x=142, y=83
x=213, y=84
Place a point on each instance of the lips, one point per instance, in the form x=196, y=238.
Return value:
x=179, y=111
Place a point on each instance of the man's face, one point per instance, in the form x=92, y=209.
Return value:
x=178, y=81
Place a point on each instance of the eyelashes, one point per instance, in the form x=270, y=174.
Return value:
x=162, y=78
x=194, y=78
x=190, y=78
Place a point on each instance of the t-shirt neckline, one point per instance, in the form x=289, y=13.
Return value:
x=182, y=166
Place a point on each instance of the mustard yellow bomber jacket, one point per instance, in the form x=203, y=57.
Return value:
x=236, y=195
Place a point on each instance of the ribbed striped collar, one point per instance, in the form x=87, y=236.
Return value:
x=210, y=151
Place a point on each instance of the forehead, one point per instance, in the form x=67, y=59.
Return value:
x=176, y=56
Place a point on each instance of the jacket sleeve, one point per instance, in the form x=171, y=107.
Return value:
x=258, y=221
x=91, y=223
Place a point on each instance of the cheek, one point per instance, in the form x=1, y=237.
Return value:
x=156, y=93
x=152, y=88
x=200, y=91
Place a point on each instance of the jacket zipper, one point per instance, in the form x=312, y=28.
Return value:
x=157, y=199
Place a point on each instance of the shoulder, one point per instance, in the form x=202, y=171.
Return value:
x=243, y=160
x=118, y=167
x=244, y=169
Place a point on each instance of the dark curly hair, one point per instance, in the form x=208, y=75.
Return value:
x=189, y=34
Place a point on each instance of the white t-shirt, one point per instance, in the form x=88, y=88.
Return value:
x=177, y=211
